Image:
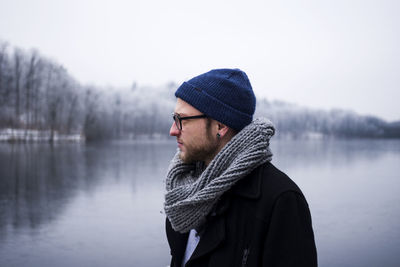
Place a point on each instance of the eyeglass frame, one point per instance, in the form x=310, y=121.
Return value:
x=180, y=119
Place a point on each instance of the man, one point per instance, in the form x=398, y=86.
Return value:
x=226, y=204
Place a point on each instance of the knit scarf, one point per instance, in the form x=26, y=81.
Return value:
x=193, y=189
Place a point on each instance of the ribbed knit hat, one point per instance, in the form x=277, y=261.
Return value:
x=225, y=95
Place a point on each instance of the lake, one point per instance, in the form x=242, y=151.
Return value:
x=102, y=204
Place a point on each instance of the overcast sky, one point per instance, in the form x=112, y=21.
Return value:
x=323, y=54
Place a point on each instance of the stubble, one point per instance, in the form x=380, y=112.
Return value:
x=203, y=150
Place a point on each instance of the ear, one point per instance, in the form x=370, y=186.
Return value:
x=222, y=129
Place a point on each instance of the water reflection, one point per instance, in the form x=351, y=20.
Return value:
x=101, y=204
x=36, y=183
x=66, y=188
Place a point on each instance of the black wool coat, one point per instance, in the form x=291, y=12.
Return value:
x=264, y=220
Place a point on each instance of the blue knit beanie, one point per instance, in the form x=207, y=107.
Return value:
x=222, y=94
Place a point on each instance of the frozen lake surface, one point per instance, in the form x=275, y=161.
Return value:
x=102, y=205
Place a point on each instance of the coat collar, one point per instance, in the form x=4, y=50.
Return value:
x=249, y=186
x=177, y=242
x=213, y=235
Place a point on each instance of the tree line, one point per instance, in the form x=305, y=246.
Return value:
x=37, y=93
x=298, y=122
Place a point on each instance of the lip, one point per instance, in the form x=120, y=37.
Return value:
x=180, y=144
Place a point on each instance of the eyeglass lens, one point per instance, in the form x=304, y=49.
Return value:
x=177, y=121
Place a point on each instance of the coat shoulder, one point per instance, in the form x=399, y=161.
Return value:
x=274, y=181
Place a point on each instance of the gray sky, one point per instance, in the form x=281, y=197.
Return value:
x=321, y=54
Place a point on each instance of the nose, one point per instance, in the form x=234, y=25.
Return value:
x=173, y=131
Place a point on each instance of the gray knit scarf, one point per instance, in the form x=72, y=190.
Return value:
x=192, y=189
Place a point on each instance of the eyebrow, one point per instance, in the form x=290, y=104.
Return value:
x=180, y=114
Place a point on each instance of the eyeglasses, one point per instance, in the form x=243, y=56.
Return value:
x=178, y=119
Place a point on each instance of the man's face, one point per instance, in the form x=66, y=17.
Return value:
x=196, y=140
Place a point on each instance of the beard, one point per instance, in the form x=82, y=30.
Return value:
x=207, y=149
